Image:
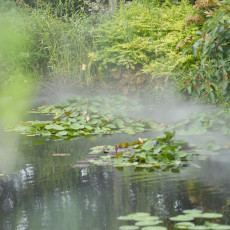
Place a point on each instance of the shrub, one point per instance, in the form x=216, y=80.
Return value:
x=146, y=38
x=211, y=77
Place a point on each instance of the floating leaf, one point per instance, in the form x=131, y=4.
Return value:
x=192, y=211
x=198, y=227
x=220, y=227
x=154, y=228
x=183, y=225
x=148, y=223
x=182, y=218
x=211, y=215
x=128, y=227
x=148, y=145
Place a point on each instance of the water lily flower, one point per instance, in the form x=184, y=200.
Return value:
x=154, y=143
x=84, y=113
x=141, y=141
x=87, y=118
x=116, y=148
x=110, y=120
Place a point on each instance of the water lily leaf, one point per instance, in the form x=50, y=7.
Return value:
x=55, y=127
x=145, y=218
x=45, y=133
x=181, y=154
x=125, y=218
x=220, y=227
x=148, y=223
x=62, y=133
x=76, y=126
x=154, y=228
x=182, y=218
x=198, y=227
x=212, y=146
x=211, y=215
x=138, y=214
x=192, y=211
x=183, y=225
x=128, y=227
x=148, y=145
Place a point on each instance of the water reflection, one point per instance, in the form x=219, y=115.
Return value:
x=45, y=192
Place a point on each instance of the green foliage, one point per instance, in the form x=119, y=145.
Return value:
x=199, y=123
x=58, y=7
x=146, y=38
x=59, y=47
x=154, y=152
x=56, y=47
x=211, y=77
x=84, y=117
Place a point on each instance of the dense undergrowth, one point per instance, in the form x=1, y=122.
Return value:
x=142, y=44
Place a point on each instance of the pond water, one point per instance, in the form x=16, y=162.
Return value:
x=39, y=191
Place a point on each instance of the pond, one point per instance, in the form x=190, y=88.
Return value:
x=39, y=190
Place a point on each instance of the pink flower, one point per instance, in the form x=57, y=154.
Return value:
x=84, y=113
x=141, y=141
x=87, y=119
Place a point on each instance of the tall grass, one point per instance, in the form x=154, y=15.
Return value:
x=57, y=47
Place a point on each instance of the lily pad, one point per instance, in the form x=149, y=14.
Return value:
x=198, y=227
x=145, y=218
x=138, y=214
x=128, y=227
x=148, y=223
x=210, y=215
x=220, y=227
x=182, y=218
x=154, y=228
x=192, y=211
x=183, y=225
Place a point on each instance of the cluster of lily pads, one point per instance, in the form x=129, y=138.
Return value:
x=83, y=117
x=217, y=121
x=143, y=220
x=154, y=152
x=184, y=221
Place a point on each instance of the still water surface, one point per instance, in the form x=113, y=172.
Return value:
x=39, y=191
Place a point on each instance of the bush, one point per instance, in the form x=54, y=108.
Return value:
x=211, y=77
x=147, y=39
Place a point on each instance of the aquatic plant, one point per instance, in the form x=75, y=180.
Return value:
x=168, y=151
x=217, y=121
x=183, y=221
x=84, y=117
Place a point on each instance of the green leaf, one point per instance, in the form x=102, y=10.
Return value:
x=148, y=223
x=148, y=145
x=212, y=97
x=76, y=126
x=182, y=218
x=128, y=227
x=225, y=85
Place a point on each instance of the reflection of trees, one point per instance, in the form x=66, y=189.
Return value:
x=208, y=189
x=47, y=193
